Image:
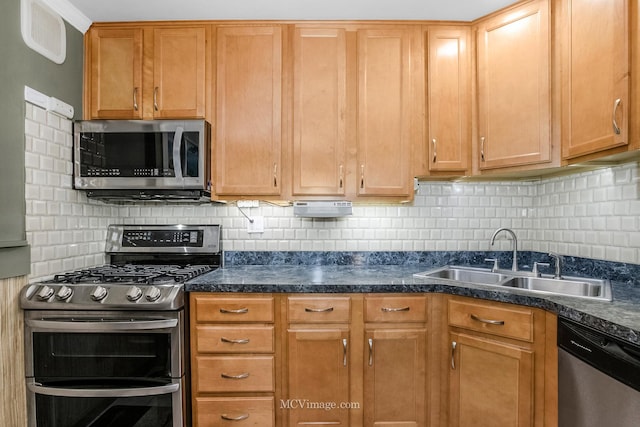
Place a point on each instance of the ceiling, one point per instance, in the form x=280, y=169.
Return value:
x=148, y=10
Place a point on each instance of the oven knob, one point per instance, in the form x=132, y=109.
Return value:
x=45, y=293
x=134, y=294
x=64, y=293
x=153, y=294
x=99, y=293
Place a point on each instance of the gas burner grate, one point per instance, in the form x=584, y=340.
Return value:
x=134, y=274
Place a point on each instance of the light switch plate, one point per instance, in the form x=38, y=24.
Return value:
x=257, y=226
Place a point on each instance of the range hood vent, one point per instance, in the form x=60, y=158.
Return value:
x=322, y=209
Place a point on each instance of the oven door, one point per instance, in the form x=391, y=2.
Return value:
x=157, y=406
x=105, y=368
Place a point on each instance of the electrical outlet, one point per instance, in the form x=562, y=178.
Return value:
x=257, y=226
x=248, y=203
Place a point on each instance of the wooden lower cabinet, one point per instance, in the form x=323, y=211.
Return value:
x=491, y=383
x=370, y=360
x=501, y=363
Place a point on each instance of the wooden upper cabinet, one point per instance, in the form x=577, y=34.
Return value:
x=513, y=66
x=384, y=107
x=115, y=83
x=147, y=72
x=179, y=66
x=595, y=76
x=448, y=99
x=248, y=110
x=319, y=110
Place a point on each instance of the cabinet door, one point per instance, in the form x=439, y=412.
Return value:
x=248, y=110
x=448, y=99
x=513, y=87
x=179, y=72
x=319, y=110
x=384, y=107
x=318, y=375
x=394, y=377
x=490, y=383
x=116, y=73
x=595, y=76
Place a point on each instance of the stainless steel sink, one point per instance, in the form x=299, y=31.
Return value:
x=465, y=274
x=577, y=287
x=523, y=280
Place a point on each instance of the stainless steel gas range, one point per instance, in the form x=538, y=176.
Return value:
x=107, y=346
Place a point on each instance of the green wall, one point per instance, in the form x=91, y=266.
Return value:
x=20, y=66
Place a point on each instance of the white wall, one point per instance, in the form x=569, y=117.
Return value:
x=590, y=214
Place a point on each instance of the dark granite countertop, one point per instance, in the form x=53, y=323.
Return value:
x=621, y=317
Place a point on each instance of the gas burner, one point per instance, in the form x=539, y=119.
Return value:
x=133, y=274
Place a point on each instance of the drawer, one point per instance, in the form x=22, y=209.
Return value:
x=233, y=309
x=234, y=373
x=319, y=309
x=505, y=321
x=234, y=411
x=396, y=309
x=234, y=339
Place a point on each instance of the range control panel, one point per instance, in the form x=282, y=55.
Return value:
x=159, y=238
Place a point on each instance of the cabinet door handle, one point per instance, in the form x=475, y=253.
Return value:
x=370, y=351
x=234, y=311
x=344, y=352
x=361, y=176
x=235, y=377
x=318, y=310
x=275, y=174
x=453, y=354
x=238, y=418
x=155, y=98
x=135, y=98
x=235, y=341
x=616, y=104
x=435, y=155
x=487, y=321
x=482, y=148
x=395, y=309
x=340, y=183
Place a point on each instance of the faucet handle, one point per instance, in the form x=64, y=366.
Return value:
x=495, y=263
x=535, y=267
x=559, y=261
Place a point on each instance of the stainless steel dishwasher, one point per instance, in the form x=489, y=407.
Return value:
x=598, y=378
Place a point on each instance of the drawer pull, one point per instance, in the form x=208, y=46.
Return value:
x=238, y=418
x=487, y=321
x=318, y=310
x=234, y=311
x=235, y=341
x=235, y=377
x=395, y=309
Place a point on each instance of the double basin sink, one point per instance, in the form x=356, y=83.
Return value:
x=567, y=286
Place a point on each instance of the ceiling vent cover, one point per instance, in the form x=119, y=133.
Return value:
x=43, y=30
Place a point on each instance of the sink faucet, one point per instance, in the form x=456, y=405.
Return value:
x=558, y=264
x=514, y=265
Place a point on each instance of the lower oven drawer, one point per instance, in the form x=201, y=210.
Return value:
x=236, y=411
x=234, y=374
x=159, y=406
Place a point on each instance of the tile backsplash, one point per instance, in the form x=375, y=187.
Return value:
x=589, y=214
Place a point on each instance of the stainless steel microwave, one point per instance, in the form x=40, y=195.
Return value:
x=142, y=159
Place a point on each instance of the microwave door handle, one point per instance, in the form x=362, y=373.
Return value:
x=103, y=392
x=177, y=145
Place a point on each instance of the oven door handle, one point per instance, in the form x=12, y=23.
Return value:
x=99, y=392
x=75, y=326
